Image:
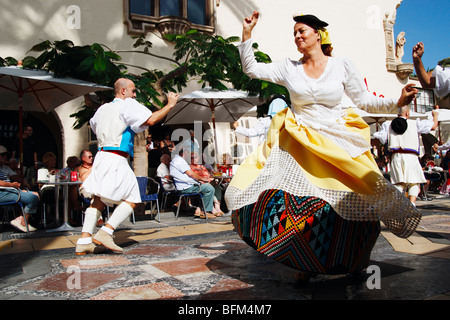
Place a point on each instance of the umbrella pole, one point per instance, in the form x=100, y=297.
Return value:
x=20, y=130
x=213, y=118
x=21, y=142
x=439, y=128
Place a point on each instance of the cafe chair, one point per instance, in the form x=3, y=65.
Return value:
x=432, y=176
x=7, y=206
x=47, y=194
x=146, y=196
x=165, y=194
x=187, y=196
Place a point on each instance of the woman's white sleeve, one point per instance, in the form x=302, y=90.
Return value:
x=357, y=91
x=274, y=72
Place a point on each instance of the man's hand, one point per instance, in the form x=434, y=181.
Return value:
x=408, y=94
x=418, y=50
x=159, y=115
x=15, y=185
x=172, y=100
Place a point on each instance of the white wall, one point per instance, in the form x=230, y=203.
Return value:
x=356, y=29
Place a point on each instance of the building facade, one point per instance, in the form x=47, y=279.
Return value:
x=360, y=30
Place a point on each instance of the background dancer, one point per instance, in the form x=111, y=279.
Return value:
x=402, y=136
x=112, y=181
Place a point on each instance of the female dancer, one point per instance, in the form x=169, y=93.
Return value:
x=312, y=195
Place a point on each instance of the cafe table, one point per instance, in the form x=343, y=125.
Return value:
x=65, y=185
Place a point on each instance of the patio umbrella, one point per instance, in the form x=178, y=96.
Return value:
x=209, y=105
x=38, y=90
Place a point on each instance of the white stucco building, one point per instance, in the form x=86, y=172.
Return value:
x=359, y=30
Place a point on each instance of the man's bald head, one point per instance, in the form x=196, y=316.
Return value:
x=124, y=88
x=404, y=112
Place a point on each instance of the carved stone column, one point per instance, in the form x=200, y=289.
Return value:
x=388, y=24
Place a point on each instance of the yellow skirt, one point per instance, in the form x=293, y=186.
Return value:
x=303, y=162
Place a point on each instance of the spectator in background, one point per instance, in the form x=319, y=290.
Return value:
x=47, y=191
x=85, y=167
x=153, y=155
x=49, y=161
x=29, y=200
x=187, y=181
x=166, y=144
x=202, y=171
x=29, y=155
x=72, y=163
x=164, y=174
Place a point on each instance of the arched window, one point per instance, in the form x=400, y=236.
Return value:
x=168, y=16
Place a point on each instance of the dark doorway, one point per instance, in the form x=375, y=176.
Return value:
x=46, y=132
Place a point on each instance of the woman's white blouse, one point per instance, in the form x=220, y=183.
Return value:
x=318, y=103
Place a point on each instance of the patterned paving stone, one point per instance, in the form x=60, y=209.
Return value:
x=187, y=266
x=153, y=291
x=154, y=250
x=68, y=282
x=96, y=262
x=229, y=289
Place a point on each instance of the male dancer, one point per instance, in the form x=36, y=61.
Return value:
x=402, y=136
x=112, y=181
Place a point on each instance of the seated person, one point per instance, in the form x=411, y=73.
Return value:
x=47, y=191
x=10, y=168
x=164, y=174
x=187, y=181
x=72, y=163
x=49, y=161
x=83, y=170
x=426, y=162
x=201, y=170
x=29, y=200
x=227, y=165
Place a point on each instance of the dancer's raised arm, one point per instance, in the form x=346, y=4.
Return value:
x=248, y=25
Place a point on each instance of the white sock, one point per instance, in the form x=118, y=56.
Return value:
x=90, y=220
x=84, y=240
x=119, y=215
x=108, y=230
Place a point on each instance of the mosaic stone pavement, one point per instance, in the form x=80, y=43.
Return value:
x=187, y=261
x=159, y=271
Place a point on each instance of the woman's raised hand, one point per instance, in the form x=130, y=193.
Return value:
x=248, y=25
